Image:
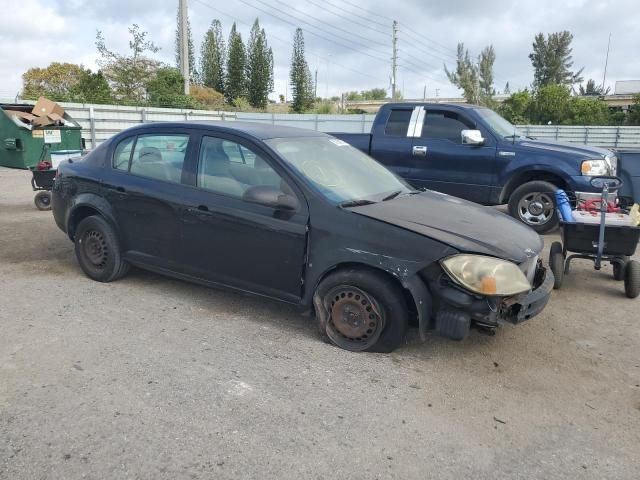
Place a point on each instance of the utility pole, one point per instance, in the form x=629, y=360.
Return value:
x=394, y=59
x=184, y=44
x=606, y=63
x=315, y=86
x=424, y=93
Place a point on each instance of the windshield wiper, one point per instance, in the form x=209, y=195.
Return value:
x=356, y=203
x=392, y=195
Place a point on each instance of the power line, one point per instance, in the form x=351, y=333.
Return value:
x=288, y=42
x=367, y=26
x=422, y=39
x=313, y=33
x=337, y=28
x=360, y=8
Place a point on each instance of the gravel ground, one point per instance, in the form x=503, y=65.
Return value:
x=154, y=378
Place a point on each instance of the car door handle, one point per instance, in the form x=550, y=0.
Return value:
x=200, y=210
x=419, y=151
x=120, y=190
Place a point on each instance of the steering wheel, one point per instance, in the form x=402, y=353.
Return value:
x=613, y=183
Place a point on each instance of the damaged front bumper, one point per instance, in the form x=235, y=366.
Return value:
x=451, y=311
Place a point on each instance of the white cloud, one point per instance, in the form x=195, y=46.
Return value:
x=66, y=32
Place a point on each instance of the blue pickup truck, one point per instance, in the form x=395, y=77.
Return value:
x=473, y=153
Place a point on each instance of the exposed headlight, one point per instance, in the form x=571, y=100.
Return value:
x=486, y=275
x=597, y=168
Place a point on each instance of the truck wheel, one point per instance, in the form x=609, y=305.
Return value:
x=632, y=279
x=361, y=310
x=98, y=250
x=556, y=263
x=43, y=200
x=533, y=203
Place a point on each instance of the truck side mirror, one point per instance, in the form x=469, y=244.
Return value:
x=472, y=137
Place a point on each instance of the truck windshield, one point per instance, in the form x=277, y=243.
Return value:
x=499, y=125
x=339, y=172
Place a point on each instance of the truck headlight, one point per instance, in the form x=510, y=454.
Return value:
x=597, y=168
x=486, y=275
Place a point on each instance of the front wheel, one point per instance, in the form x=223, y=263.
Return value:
x=533, y=203
x=43, y=200
x=556, y=263
x=632, y=279
x=361, y=310
x=618, y=269
x=98, y=250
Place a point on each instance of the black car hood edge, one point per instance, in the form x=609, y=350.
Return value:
x=466, y=226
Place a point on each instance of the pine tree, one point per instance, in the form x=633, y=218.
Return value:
x=259, y=68
x=213, y=58
x=507, y=89
x=552, y=60
x=486, y=59
x=235, y=80
x=193, y=70
x=465, y=76
x=300, y=76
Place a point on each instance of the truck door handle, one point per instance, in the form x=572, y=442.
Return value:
x=419, y=151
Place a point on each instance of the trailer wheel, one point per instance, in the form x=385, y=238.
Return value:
x=43, y=200
x=632, y=279
x=556, y=262
x=618, y=269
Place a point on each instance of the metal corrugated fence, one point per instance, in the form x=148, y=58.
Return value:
x=100, y=122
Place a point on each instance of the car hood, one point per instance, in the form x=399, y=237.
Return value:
x=586, y=151
x=465, y=226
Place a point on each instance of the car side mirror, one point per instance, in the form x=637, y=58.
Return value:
x=472, y=137
x=270, y=197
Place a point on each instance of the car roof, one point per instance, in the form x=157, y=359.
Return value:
x=261, y=131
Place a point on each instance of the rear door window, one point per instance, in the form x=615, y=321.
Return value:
x=159, y=156
x=444, y=125
x=122, y=155
x=398, y=123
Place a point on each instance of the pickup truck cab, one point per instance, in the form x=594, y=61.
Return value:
x=473, y=153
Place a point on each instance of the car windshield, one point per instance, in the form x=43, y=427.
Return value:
x=340, y=172
x=498, y=124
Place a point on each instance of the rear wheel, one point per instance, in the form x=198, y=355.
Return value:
x=556, y=263
x=618, y=269
x=43, y=200
x=632, y=279
x=533, y=203
x=361, y=310
x=98, y=250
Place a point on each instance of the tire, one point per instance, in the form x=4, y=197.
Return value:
x=354, y=294
x=618, y=270
x=533, y=203
x=556, y=263
x=632, y=279
x=98, y=250
x=43, y=200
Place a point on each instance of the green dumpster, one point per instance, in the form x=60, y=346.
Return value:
x=23, y=145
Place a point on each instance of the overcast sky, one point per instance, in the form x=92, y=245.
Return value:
x=349, y=45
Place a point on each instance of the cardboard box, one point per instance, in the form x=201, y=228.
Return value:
x=21, y=115
x=44, y=107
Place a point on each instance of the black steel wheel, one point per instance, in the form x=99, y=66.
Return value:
x=361, y=310
x=98, y=251
x=632, y=279
x=556, y=263
x=43, y=200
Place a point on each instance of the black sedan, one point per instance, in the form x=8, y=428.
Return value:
x=304, y=218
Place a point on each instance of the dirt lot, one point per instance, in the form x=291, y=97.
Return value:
x=154, y=378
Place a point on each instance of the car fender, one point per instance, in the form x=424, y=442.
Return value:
x=94, y=202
